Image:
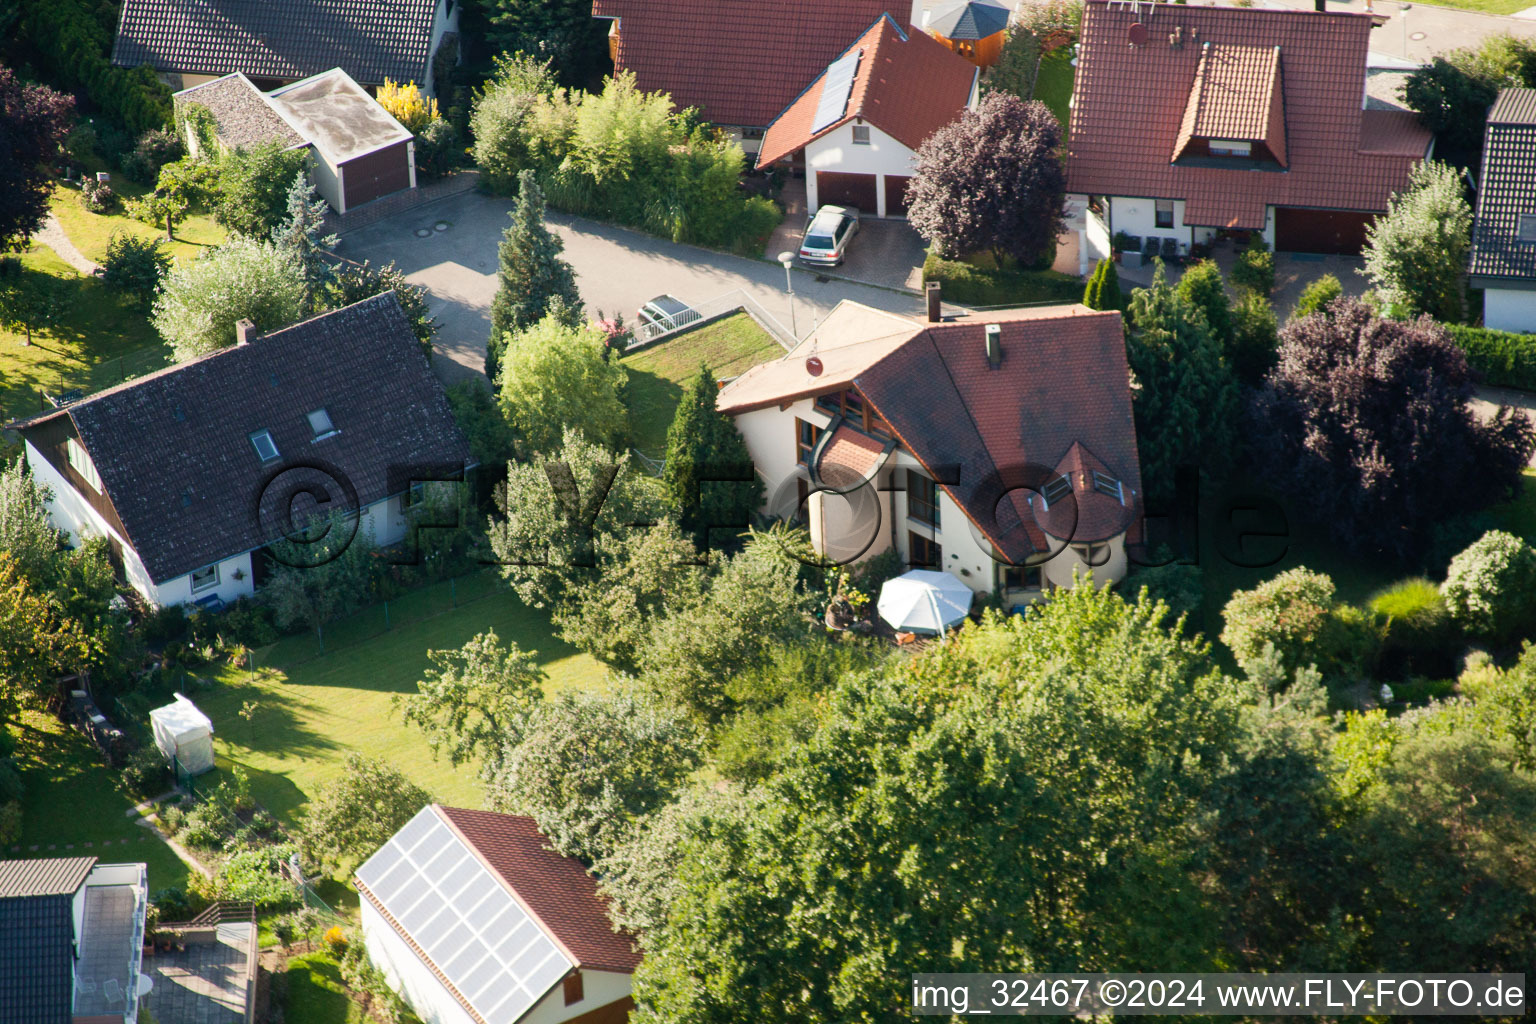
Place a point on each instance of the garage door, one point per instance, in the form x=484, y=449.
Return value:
x=896, y=195
x=1332, y=231
x=839, y=189
x=377, y=174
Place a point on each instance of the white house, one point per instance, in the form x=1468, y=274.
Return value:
x=474, y=919
x=859, y=124
x=1192, y=120
x=72, y=941
x=1504, y=234
x=190, y=472
x=998, y=446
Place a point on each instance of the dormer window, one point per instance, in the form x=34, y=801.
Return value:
x=266, y=448
x=1231, y=147
x=1056, y=489
x=1525, y=230
x=320, y=423
x=1108, y=485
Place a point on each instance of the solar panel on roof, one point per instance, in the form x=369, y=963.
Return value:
x=835, y=87
x=463, y=919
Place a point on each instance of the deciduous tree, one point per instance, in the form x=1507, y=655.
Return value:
x=202, y=299
x=1368, y=419
x=351, y=817
x=557, y=377
x=135, y=266
x=253, y=187
x=992, y=181
x=34, y=121
x=1416, y=255
x=36, y=641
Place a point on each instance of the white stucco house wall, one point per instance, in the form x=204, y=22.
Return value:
x=881, y=431
x=191, y=472
x=857, y=127
x=473, y=919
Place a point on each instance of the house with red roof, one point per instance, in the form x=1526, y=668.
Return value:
x=998, y=446
x=741, y=62
x=1188, y=121
x=473, y=918
x=859, y=123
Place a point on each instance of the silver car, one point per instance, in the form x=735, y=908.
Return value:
x=666, y=313
x=826, y=239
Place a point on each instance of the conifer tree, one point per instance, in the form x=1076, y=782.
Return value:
x=708, y=472
x=303, y=233
x=531, y=275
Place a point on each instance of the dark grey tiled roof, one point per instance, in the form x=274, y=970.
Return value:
x=1507, y=189
x=370, y=39
x=174, y=453
x=50, y=876
x=243, y=115
x=36, y=950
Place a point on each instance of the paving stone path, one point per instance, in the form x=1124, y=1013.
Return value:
x=52, y=235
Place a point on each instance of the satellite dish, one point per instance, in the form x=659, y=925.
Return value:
x=813, y=366
x=1137, y=33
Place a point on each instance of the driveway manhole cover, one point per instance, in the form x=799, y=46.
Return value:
x=441, y=225
x=423, y=232
x=1417, y=35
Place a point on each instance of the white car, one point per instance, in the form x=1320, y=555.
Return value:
x=826, y=239
x=666, y=313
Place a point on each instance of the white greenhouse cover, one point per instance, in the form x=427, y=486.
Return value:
x=924, y=601
x=185, y=733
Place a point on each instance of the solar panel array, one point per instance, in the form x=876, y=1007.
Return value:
x=835, y=88
x=464, y=919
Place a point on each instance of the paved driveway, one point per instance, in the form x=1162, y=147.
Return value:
x=616, y=270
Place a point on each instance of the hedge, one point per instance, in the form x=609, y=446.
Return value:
x=1503, y=358
x=974, y=285
x=73, y=45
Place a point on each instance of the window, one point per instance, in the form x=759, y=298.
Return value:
x=1164, y=213
x=80, y=462
x=924, y=553
x=1106, y=484
x=1056, y=489
x=203, y=579
x=1526, y=230
x=1231, y=147
x=320, y=423
x=1092, y=554
x=1019, y=577
x=266, y=449
x=573, y=989
x=922, y=498
x=805, y=439
x=861, y=135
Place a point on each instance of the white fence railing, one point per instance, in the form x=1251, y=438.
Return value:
x=645, y=334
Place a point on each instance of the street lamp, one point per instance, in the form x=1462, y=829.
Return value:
x=787, y=259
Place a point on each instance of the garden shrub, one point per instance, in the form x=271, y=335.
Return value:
x=438, y=149
x=97, y=196
x=146, y=772
x=10, y=822
x=1255, y=267
x=81, y=146
x=1490, y=588
x=1501, y=357
x=1178, y=585
x=1417, y=632
x=1297, y=612
x=973, y=283
x=135, y=265
x=251, y=876
x=336, y=940
x=69, y=42
x=152, y=151
x=168, y=622
x=175, y=904
x=1315, y=297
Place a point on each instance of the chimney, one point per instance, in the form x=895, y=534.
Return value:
x=245, y=330
x=1320, y=6
x=994, y=345
x=934, y=295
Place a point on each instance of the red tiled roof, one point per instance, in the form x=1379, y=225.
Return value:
x=1236, y=95
x=740, y=61
x=556, y=889
x=999, y=434
x=848, y=456
x=1130, y=104
x=907, y=85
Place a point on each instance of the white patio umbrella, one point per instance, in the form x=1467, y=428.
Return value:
x=923, y=601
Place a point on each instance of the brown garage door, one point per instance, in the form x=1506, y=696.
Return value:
x=1334, y=231
x=839, y=189
x=896, y=195
x=377, y=174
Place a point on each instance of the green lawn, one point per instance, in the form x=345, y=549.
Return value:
x=100, y=338
x=73, y=799
x=656, y=375
x=91, y=231
x=317, y=708
x=1053, y=83
x=316, y=993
